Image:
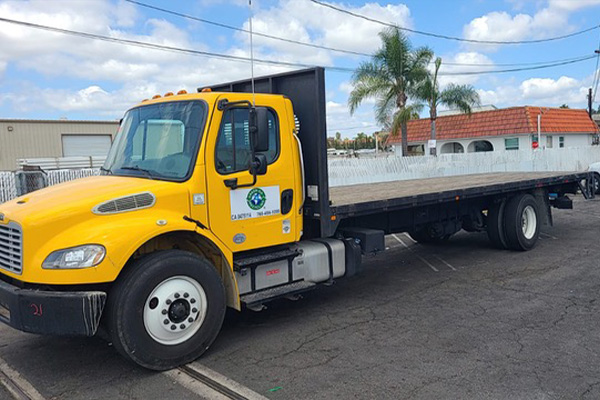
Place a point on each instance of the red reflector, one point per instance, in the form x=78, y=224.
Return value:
x=273, y=271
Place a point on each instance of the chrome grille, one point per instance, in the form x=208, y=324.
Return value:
x=11, y=248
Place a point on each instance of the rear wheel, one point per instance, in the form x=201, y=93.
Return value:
x=495, y=225
x=596, y=183
x=521, y=222
x=166, y=310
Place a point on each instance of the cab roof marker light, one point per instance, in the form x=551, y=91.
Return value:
x=205, y=90
x=182, y=91
x=145, y=100
x=168, y=94
x=156, y=96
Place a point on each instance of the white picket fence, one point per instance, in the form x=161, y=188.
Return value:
x=351, y=171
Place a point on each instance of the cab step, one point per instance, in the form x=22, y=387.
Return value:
x=254, y=301
x=248, y=261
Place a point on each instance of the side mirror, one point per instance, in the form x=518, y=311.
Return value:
x=259, y=128
x=259, y=165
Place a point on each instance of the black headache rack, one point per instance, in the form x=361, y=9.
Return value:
x=306, y=90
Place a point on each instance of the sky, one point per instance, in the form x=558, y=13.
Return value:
x=50, y=75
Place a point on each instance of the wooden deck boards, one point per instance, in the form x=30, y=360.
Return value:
x=369, y=192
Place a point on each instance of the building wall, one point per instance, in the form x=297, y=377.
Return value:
x=37, y=139
x=498, y=142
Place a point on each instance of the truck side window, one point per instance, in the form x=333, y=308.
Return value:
x=233, y=152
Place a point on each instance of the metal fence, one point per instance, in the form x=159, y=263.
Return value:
x=8, y=189
x=13, y=184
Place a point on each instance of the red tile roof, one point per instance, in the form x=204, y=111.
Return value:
x=507, y=121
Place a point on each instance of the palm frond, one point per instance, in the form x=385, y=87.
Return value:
x=368, y=86
x=463, y=97
x=404, y=115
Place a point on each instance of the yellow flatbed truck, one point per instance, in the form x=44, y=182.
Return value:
x=221, y=199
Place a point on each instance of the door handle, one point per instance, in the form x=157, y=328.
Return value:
x=287, y=200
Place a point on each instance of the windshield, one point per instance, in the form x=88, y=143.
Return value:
x=158, y=141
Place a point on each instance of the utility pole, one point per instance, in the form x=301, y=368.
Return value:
x=590, y=98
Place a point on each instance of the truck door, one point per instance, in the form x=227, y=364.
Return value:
x=259, y=215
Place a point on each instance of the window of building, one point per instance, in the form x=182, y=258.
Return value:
x=234, y=152
x=416, y=150
x=86, y=145
x=561, y=141
x=480, y=146
x=548, y=142
x=511, y=144
x=452, y=147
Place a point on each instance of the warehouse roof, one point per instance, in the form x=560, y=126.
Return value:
x=57, y=121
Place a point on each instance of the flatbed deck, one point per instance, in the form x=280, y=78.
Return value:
x=382, y=196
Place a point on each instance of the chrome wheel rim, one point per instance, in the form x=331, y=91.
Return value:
x=529, y=222
x=175, y=310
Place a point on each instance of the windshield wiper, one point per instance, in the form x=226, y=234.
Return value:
x=107, y=170
x=136, y=168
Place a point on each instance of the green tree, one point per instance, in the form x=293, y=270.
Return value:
x=391, y=76
x=338, y=141
x=564, y=106
x=462, y=97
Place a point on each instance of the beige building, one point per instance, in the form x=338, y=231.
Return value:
x=21, y=139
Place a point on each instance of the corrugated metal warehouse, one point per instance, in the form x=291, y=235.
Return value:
x=20, y=138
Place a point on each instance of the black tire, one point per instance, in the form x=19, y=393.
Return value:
x=514, y=216
x=495, y=225
x=127, y=301
x=423, y=236
x=596, y=183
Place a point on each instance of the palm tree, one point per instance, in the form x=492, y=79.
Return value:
x=462, y=97
x=392, y=76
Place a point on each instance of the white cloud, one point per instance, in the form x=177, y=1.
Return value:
x=539, y=92
x=571, y=5
x=502, y=26
x=540, y=88
x=476, y=62
x=302, y=20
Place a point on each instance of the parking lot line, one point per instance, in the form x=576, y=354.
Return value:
x=445, y=262
x=418, y=256
x=409, y=238
x=18, y=386
x=211, y=385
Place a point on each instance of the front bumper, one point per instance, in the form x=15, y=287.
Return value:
x=51, y=312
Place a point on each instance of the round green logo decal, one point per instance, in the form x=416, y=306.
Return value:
x=256, y=199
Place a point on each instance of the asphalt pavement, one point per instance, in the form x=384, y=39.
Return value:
x=459, y=320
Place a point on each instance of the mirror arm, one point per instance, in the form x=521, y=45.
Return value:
x=224, y=103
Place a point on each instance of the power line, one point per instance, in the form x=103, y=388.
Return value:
x=156, y=46
x=498, y=71
x=229, y=57
x=447, y=37
x=301, y=43
x=235, y=28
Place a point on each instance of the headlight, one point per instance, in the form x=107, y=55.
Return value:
x=76, y=257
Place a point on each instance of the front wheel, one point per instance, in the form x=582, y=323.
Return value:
x=166, y=310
